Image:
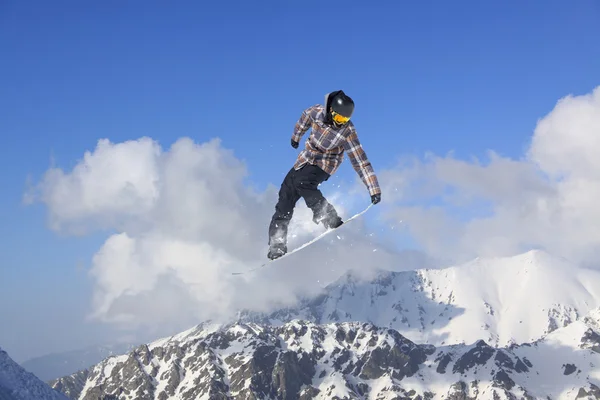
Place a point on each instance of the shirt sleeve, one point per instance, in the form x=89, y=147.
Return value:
x=304, y=123
x=361, y=163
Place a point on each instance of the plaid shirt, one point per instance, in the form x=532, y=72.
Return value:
x=326, y=145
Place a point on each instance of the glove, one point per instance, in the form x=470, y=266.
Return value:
x=295, y=144
x=376, y=198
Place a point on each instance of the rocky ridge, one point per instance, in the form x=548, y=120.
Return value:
x=302, y=360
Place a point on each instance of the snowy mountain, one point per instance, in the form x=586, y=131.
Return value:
x=524, y=327
x=302, y=360
x=52, y=366
x=18, y=384
x=502, y=300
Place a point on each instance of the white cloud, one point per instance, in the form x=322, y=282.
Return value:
x=459, y=209
x=566, y=141
x=185, y=218
x=115, y=182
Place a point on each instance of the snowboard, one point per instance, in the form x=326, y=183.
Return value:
x=322, y=235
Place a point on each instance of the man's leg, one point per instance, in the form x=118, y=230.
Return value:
x=307, y=182
x=284, y=210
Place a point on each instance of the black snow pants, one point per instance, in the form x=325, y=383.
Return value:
x=296, y=184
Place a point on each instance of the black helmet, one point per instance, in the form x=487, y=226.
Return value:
x=341, y=107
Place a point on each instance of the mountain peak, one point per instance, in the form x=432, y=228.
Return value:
x=501, y=300
x=18, y=384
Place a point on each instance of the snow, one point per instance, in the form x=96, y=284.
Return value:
x=501, y=300
x=332, y=385
x=197, y=332
x=329, y=344
x=306, y=341
x=111, y=362
x=593, y=319
x=552, y=353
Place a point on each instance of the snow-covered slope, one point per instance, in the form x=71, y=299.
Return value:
x=302, y=360
x=502, y=301
x=18, y=384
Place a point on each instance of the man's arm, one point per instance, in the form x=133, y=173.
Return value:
x=361, y=163
x=304, y=123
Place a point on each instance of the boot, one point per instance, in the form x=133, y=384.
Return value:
x=328, y=218
x=276, y=250
x=332, y=222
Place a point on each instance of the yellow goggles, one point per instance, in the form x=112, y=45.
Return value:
x=340, y=119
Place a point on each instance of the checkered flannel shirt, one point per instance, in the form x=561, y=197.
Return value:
x=326, y=145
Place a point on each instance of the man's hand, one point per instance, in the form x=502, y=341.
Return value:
x=295, y=144
x=376, y=198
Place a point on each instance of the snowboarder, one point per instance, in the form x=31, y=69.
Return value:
x=332, y=134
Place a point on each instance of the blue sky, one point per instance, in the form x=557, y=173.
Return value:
x=426, y=76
